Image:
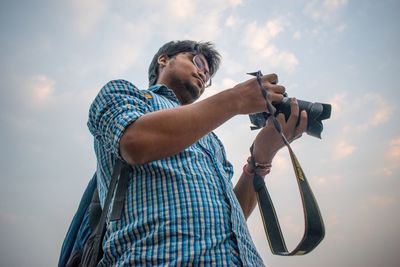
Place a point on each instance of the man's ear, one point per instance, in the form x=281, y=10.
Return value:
x=162, y=60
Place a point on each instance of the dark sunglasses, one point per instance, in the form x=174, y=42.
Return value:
x=199, y=63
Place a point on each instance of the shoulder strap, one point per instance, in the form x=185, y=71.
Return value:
x=314, y=230
x=72, y=233
x=120, y=172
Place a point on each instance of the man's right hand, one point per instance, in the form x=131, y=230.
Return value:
x=249, y=97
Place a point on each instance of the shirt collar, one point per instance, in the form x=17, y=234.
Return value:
x=164, y=91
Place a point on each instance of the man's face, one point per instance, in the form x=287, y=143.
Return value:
x=185, y=78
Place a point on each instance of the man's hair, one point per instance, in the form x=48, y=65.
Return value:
x=175, y=47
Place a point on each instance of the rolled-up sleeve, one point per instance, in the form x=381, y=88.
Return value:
x=118, y=104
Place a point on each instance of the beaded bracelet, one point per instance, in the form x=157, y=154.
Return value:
x=251, y=167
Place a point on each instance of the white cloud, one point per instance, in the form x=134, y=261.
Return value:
x=280, y=166
x=375, y=110
x=338, y=102
x=234, y=3
x=378, y=106
x=42, y=88
x=327, y=180
x=292, y=225
x=180, y=9
x=387, y=172
x=341, y=27
x=334, y=4
x=227, y=83
x=259, y=40
x=297, y=35
x=343, y=149
x=392, y=162
x=121, y=49
x=382, y=201
x=88, y=14
x=395, y=147
x=233, y=21
x=208, y=28
x=323, y=10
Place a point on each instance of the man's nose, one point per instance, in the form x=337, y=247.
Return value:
x=202, y=75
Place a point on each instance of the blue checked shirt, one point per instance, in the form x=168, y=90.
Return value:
x=178, y=211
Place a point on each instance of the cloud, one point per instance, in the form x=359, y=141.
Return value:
x=387, y=172
x=209, y=28
x=382, y=201
x=87, y=14
x=323, y=10
x=42, y=88
x=120, y=48
x=334, y=4
x=297, y=35
x=378, y=106
x=181, y=9
x=338, y=102
x=342, y=150
x=367, y=111
x=392, y=164
x=326, y=15
x=341, y=28
x=290, y=224
x=227, y=83
x=281, y=166
x=233, y=21
x=394, y=147
x=258, y=39
x=327, y=181
x=234, y=3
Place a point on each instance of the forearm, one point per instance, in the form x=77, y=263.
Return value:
x=245, y=193
x=244, y=189
x=164, y=133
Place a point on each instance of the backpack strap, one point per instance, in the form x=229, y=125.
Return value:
x=119, y=197
x=101, y=227
x=75, y=225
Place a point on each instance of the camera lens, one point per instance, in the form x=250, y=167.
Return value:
x=316, y=112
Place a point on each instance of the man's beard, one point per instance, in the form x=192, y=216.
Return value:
x=189, y=88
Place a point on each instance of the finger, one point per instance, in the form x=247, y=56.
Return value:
x=302, y=127
x=275, y=98
x=281, y=119
x=271, y=78
x=274, y=88
x=294, y=114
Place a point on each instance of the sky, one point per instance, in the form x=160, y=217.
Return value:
x=56, y=55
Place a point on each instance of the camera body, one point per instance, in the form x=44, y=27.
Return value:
x=316, y=112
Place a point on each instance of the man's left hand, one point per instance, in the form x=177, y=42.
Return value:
x=269, y=141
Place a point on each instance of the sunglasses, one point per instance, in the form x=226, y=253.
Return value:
x=199, y=63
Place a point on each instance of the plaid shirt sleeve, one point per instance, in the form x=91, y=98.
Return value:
x=117, y=105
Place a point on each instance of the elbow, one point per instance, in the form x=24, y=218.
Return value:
x=132, y=159
x=132, y=151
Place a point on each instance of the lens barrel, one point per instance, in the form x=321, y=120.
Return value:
x=316, y=113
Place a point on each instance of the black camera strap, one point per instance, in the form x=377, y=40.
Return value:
x=314, y=230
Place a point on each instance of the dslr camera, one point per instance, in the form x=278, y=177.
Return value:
x=316, y=113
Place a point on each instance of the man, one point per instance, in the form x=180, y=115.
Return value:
x=181, y=207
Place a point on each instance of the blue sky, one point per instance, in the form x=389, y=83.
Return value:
x=56, y=55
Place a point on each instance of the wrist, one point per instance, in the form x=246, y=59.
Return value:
x=266, y=157
x=235, y=100
x=253, y=167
